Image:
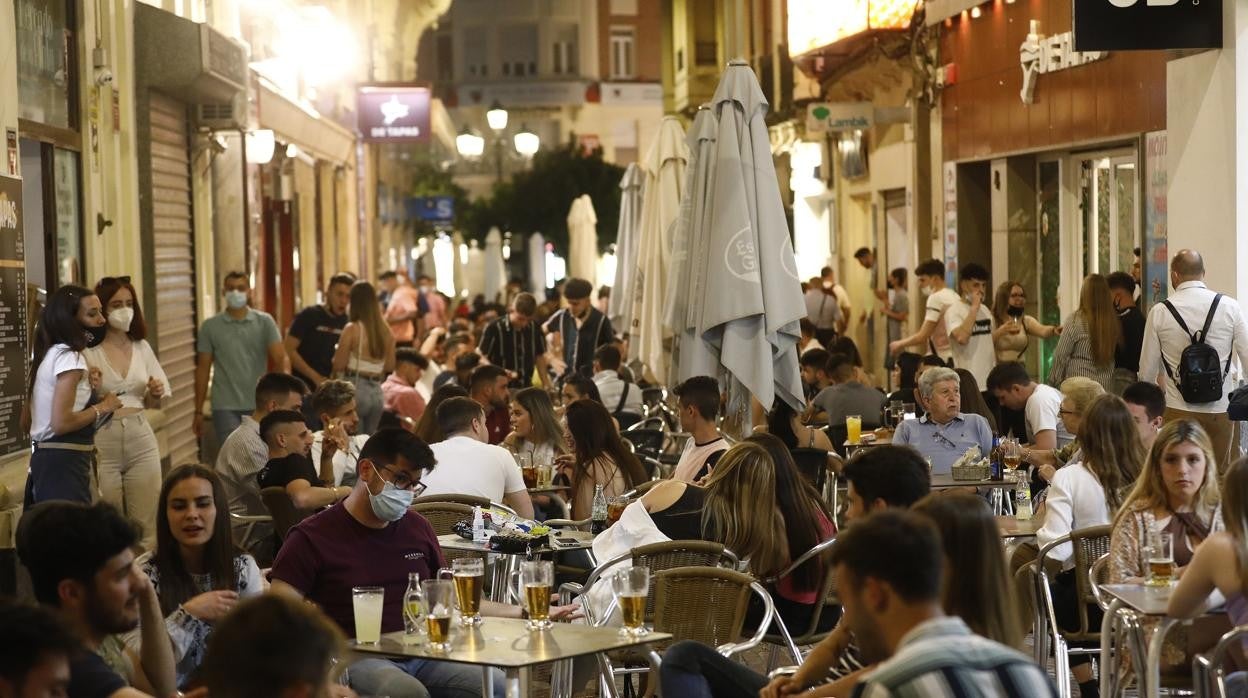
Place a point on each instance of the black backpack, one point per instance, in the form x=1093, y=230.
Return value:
x=1201, y=375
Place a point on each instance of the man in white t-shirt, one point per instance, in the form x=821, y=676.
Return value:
x=1040, y=403
x=970, y=325
x=698, y=402
x=932, y=337
x=468, y=464
x=617, y=394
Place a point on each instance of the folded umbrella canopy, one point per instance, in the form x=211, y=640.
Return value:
x=752, y=298
x=537, y=266
x=583, y=239
x=461, y=264
x=664, y=168
x=495, y=270
x=620, y=304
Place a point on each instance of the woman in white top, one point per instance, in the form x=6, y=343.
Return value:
x=129, y=457
x=365, y=353
x=63, y=409
x=1086, y=494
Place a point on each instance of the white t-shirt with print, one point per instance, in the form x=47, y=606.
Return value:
x=1042, y=414
x=59, y=359
x=937, y=304
x=979, y=354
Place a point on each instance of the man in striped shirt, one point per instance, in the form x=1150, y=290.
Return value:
x=890, y=567
x=516, y=344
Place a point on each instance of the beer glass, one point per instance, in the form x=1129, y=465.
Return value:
x=440, y=601
x=528, y=471
x=1011, y=454
x=367, y=603
x=468, y=573
x=631, y=586
x=1160, y=558
x=536, y=580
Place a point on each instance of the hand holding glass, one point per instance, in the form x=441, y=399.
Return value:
x=536, y=583
x=468, y=573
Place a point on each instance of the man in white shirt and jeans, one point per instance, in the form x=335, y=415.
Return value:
x=933, y=336
x=1165, y=340
x=468, y=464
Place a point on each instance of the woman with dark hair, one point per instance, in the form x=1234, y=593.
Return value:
x=197, y=571
x=973, y=399
x=64, y=411
x=785, y=423
x=578, y=387
x=129, y=457
x=535, y=428
x=599, y=456
x=365, y=353
x=427, y=426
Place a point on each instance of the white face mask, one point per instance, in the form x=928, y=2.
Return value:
x=120, y=318
x=925, y=290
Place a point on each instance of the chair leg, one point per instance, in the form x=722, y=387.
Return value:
x=1061, y=667
x=788, y=640
x=773, y=653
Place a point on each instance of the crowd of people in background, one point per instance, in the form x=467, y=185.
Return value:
x=380, y=394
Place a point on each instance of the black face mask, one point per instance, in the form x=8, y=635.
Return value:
x=95, y=335
x=1014, y=312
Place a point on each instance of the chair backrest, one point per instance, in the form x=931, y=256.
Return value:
x=838, y=434
x=704, y=604
x=470, y=500
x=627, y=419
x=680, y=553
x=813, y=464
x=1088, y=545
x=641, y=489
x=282, y=509
x=648, y=442
x=443, y=515
x=1208, y=668
x=653, y=396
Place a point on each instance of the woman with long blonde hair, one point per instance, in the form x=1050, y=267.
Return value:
x=1089, y=337
x=739, y=508
x=365, y=353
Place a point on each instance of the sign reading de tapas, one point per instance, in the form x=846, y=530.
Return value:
x=393, y=113
x=1125, y=25
x=825, y=117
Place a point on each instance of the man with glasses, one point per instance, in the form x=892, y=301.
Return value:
x=371, y=539
x=944, y=434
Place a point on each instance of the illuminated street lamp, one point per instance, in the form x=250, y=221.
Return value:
x=469, y=144
x=496, y=117
x=526, y=142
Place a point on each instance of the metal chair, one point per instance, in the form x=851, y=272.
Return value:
x=647, y=423
x=827, y=597
x=248, y=522
x=1088, y=545
x=838, y=434
x=641, y=489
x=1208, y=668
x=627, y=419
x=813, y=464
x=647, y=442
x=283, y=511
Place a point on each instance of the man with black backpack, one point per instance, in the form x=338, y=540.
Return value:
x=1188, y=343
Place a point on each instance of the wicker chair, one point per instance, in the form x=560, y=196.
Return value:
x=827, y=597
x=1088, y=546
x=467, y=499
x=282, y=509
x=1208, y=668
x=443, y=516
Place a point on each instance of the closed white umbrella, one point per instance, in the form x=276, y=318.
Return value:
x=753, y=300
x=474, y=270
x=664, y=168
x=537, y=266
x=495, y=270
x=461, y=264
x=583, y=240
x=620, y=303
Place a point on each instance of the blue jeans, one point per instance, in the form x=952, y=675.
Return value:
x=224, y=422
x=368, y=404
x=691, y=670
x=419, y=678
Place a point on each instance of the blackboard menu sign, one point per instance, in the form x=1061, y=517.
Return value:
x=13, y=350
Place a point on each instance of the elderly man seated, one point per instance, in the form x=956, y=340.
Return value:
x=944, y=434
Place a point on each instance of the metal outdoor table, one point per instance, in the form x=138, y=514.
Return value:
x=506, y=643
x=1012, y=527
x=1128, y=602
x=944, y=482
x=552, y=489
x=510, y=562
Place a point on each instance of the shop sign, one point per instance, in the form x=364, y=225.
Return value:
x=433, y=209
x=830, y=117
x=1040, y=55
x=13, y=325
x=1126, y=25
x=393, y=113
x=1156, y=187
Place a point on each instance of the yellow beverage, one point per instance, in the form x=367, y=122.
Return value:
x=1160, y=572
x=468, y=593
x=853, y=425
x=439, y=628
x=633, y=609
x=545, y=474
x=367, y=607
x=537, y=601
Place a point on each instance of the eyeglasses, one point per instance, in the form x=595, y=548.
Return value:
x=115, y=279
x=404, y=481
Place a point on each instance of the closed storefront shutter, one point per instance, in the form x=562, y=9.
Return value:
x=174, y=326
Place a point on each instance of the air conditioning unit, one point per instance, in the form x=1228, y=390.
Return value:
x=222, y=116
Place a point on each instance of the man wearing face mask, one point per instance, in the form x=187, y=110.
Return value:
x=238, y=345
x=371, y=539
x=1127, y=355
x=933, y=335
x=289, y=466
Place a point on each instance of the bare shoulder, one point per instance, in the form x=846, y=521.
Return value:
x=663, y=495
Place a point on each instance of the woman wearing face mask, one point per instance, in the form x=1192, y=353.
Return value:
x=64, y=410
x=129, y=457
x=1014, y=328
x=197, y=571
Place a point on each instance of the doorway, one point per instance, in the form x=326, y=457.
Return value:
x=1109, y=211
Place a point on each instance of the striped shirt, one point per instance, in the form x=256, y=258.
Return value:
x=942, y=657
x=512, y=348
x=580, y=342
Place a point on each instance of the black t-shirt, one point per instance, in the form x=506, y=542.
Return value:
x=318, y=333
x=279, y=472
x=90, y=677
x=1127, y=355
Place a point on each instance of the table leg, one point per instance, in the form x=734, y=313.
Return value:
x=1107, y=640
x=1156, y=640
x=517, y=686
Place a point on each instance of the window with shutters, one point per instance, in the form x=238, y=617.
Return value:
x=565, y=50
x=623, y=45
x=517, y=50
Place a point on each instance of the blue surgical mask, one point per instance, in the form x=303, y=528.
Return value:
x=391, y=503
x=236, y=299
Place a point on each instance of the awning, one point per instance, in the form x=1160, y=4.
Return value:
x=293, y=123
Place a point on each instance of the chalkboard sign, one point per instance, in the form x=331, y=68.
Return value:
x=13, y=328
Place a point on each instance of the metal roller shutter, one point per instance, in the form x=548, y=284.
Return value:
x=173, y=252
